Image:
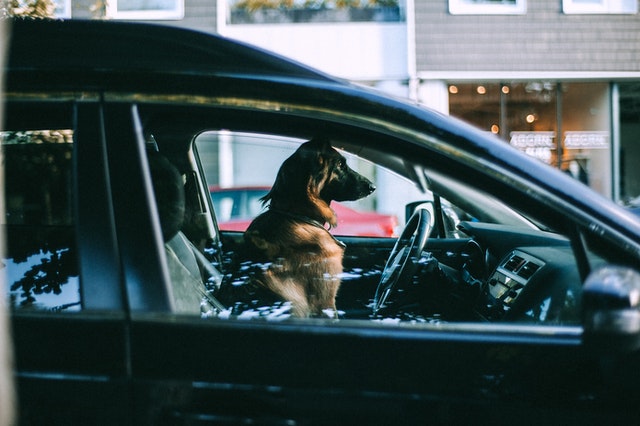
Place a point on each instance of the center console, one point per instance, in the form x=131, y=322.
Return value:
x=507, y=282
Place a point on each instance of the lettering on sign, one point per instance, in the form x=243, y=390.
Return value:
x=524, y=140
x=586, y=140
x=536, y=144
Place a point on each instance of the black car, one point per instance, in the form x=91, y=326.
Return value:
x=511, y=296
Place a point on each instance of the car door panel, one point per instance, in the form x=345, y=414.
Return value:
x=314, y=373
x=72, y=368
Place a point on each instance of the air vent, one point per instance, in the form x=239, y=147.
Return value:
x=521, y=266
x=528, y=269
x=514, y=263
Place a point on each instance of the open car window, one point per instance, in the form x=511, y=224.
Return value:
x=481, y=260
x=240, y=169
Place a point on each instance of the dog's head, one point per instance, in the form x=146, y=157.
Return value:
x=312, y=177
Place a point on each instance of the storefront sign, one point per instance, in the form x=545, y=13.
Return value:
x=536, y=144
x=586, y=140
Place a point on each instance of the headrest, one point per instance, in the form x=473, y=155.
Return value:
x=169, y=191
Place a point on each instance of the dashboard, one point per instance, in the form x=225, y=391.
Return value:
x=533, y=275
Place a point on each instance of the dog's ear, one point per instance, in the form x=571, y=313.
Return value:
x=317, y=153
x=297, y=173
x=314, y=156
x=318, y=145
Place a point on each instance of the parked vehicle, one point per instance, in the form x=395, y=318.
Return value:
x=236, y=207
x=526, y=312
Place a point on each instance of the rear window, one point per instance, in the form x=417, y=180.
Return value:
x=40, y=258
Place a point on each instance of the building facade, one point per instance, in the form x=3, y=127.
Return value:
x=559, y=79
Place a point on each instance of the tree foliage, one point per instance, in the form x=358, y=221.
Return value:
x=27, y=8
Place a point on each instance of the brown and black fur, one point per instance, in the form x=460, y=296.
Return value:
x=304, y=261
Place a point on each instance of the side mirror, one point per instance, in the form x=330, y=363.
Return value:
x=611, y=309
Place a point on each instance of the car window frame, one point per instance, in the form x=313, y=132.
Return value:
x=494, y=176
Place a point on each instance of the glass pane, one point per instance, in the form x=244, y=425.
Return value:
x=40, y=259
x=478, y=104
x=488, y=7
x=530, y=118
x=313, y=11
x=146, y=9
x=629, y=143
x=586, y=145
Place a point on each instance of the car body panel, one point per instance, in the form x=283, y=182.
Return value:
x=292, y=373
x=72, y=367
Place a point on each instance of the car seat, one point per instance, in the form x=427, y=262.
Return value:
x=188, y=268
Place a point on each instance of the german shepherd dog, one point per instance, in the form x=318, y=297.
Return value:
x=304, y=261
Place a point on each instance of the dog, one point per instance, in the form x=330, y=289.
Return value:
x=304, y=261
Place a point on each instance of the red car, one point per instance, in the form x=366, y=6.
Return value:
x=236, y=207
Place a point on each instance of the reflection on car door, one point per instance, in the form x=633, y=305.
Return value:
x=71, y=358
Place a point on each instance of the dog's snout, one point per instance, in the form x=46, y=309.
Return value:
x=365, y=187
x=371, y=187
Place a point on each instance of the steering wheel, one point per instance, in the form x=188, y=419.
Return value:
x=403, y=260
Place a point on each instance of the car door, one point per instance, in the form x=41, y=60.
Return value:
x=68, y=320
x=222, y=370
x=291, y=373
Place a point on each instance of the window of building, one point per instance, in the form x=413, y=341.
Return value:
x=478, y=104
x=301, y=11
x=487, y=7
x=566, y=125
x=146, y=9
x=63, y=8
x=629, y=106
x=600, y=6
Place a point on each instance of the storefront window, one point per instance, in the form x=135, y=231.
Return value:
x=530, y=118
x=586, y=129
x=478, y=104
x=629, y=95
x=566, y=125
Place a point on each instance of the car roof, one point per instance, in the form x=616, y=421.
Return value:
x=127, y=46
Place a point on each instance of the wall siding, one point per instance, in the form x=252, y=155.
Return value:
x=544, y=39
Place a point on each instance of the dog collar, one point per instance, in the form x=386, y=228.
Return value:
x=310, y=221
